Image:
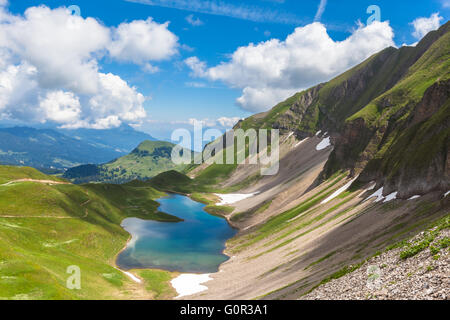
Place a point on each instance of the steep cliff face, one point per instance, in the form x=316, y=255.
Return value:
x=387, y=117
x=417, y=159
x=401, y=138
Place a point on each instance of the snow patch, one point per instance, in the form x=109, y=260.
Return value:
x=391, y=197
x=130, y=275
x=325, y=143
x=188, y=284
x=233, y=197
x=339, y=191
x=414, y=197
x=318, y=132
x=299, y=143
x=448, y=192
x=378, y=194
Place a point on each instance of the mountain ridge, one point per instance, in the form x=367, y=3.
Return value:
x=349, y=106
x=47, y=148
x=124, y=138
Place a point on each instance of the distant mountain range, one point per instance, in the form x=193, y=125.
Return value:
x=122, y=139
x=149, y=159
x=51, y=149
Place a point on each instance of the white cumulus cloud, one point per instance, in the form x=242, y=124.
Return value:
x=62, y=47
x=424, y=25
x=227, y=122
x=271, y=71
x=142, y=41
x=49, y=67
x=198, y=67
x=61, y=107
x=116, y=97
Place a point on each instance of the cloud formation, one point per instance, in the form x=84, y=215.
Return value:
x=424, y=25
x=273, y=70
x=143, y=41
x=49, y=67
x=320, y=10
x=194, y=21
x=226, y=9
x=219, y=123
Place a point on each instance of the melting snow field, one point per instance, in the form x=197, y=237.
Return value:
x=130, y=275
x=188, y=284
x=325, y=143
x=378, y=194
x=391, y=197
x=380, y=197
x=299, y=143
x=133, y=277
x=233, y=197
x=338, y=192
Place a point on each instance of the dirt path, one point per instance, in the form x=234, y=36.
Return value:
x=86, y=213
x=40, y=217
x=51, y=182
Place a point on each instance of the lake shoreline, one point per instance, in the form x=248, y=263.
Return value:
x=177, y=274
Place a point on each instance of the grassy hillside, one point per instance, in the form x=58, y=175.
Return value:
x=46, y=228
x=149, y=159
x=8, y=173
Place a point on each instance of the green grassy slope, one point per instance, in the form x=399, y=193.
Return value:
x=9, y=173
x=148, y=160
x=45, y=229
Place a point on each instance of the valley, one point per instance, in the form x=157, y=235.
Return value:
x=364, y=179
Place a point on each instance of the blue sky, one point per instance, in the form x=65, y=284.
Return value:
x=208, y=32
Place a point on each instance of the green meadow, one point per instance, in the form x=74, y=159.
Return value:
x=45, y=228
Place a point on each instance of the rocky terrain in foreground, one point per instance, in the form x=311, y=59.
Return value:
x=415, y=270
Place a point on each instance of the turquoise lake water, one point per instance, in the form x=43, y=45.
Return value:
x=194, y=245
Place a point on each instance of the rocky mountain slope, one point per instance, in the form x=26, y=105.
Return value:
x=364, y=164
x=418, y=269
x=381, y=116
